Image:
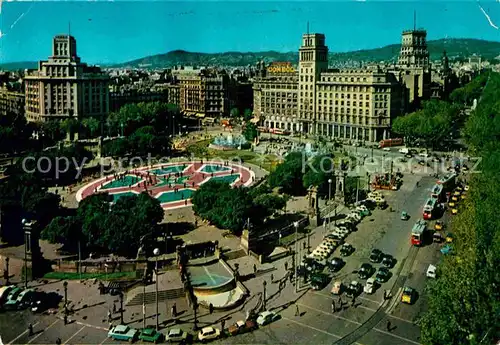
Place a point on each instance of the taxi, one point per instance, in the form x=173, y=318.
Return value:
x=449, y=237
x=452, y=204
x=463, y=197
x=439, y=225
x=454, y=211
x=408, y=295
x=455, y=197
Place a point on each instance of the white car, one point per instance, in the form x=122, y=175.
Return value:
x=208, y=333
x=404, y=150
x=370, y=286
x=342, y=229
x=266, y=317
x=423, y=154
x=339, y=234
x=354, y=216
x=386, y=149
x=431, y=271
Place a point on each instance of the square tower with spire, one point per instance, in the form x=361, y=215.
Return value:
x=313, y=60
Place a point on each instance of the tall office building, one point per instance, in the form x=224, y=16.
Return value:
x=313, y=60
x=64, y=87
x=357, y=104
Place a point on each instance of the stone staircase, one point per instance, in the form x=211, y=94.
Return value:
x=150, y=297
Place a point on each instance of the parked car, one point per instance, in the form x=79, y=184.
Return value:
x=11, y=301
x=266, y=317
x=370, y=286
x=122, y=332
x=353, y=289
x=151, y=335
x=376, y=255
x=240, y=327
x=319, y=280
x=431, y=271
x=176, y=335
x=439, y=225
x=346, y=249
x=383, y=275
x=365, y=271
x=208, y=333
x=336, y=264
x=388, y=260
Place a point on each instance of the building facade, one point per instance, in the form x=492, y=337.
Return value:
x=64, y=87
x=11, y=102
x=357, y=104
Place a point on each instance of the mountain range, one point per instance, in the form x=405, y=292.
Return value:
x=456, y=48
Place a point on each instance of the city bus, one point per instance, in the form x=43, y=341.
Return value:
x=390, y=143
x=438, y=192
x=429, y=208
x=418, y=232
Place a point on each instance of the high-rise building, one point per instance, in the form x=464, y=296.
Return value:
x=357, y=104
x=64, y=87
x=11, y=101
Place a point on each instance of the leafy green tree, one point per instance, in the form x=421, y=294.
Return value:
x=288, y=175
x=92, y=213
x=319, y=172
x=65, y=230
x=250, y=132
x=70, y=126
x=247, y=115
x=235, y=113
x=91, y=125
x=271, y=203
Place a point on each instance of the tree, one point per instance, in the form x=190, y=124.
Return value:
x=250, y=132
x=319, y=172
x=235, y=113
x=91, y=125
x=288, y=175
x=223, y=206
x=70, y=126
x=65, y=230
x=247, y=115
x=270, y=203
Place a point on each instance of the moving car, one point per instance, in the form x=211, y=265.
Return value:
x=408, y=295
x=353, y=289
x=387, y=260
x=370, y=286
x=176, y=335
x=122, y=332
x=208, y=333
x=151, y=335
x=240, y=327
x=346, y=249
x=11, y=301
x=404, y=215
x=337, y=288
x=439, y=225
x=376, y=255
x=266, y=317
x=319, y=280
x=431, y=271
x=383, y=275
x=365, y=271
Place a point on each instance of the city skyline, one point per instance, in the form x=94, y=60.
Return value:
x=104, y=36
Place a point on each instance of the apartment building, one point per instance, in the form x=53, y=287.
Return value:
x=64, y=87
x=11, y=101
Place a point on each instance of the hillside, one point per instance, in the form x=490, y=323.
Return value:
x=456, y=48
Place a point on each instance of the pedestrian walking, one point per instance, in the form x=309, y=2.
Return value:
x=333, y=307
x=114, y=308
x=286, y=265
x=30, y=330
x=211, y=308
x=254, y=268
x=65, y=319
x=297, y=313
x=389, y=326
x=272, y=277
x=222, y=325
x=58, y=341
x=174, y=310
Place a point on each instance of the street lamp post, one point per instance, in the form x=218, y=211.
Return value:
x=156, y=252
x=264, y=283
x=121, y=308
x=65, y=284
x=329, y=190
x=296, y=225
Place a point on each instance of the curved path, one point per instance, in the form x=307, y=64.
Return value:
x=171, y=183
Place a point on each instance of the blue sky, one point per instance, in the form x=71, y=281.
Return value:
x=118, y=31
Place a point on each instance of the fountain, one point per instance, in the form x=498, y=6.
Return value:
x=229, y=142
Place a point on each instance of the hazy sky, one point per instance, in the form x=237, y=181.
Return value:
x=117, y=31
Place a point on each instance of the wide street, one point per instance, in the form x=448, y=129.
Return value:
x=364, y=323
